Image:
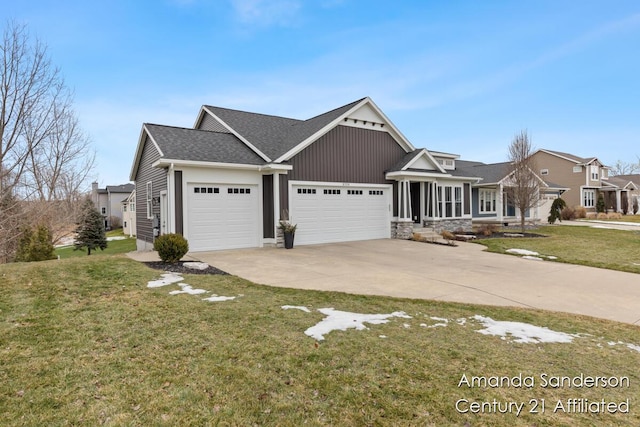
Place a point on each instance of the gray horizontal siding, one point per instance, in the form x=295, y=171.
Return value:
x=211, y=124
x=146, y=173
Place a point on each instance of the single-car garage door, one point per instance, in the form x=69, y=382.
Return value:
x=222, y=216
x=342, y=213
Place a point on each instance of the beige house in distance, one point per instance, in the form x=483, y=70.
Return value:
x=587, y=179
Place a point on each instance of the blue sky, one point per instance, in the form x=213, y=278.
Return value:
x=456, y=76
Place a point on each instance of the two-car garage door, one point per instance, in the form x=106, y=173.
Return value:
x=221, y=216
x=326, y=213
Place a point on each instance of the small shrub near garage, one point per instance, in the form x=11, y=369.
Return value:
x=171, y=247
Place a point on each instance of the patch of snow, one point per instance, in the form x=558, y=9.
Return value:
x=532, y=258
x=187, y=289
x=602, y=226
x=406, y=325
x=196, y=265
x=522, y=252
x=110, y=239
x=296, y=307
x=462, y=321
x=442, y=320
x=634, y=347
x=216, y=298
x=424, y=325
x=524, y=332
x=166, y=279
x=382, y=336
x=342, y=320
x=551, y=257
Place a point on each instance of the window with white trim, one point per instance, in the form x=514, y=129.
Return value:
x=594, y=173
x=457, y=199
x=450, y=201
x=487, y=200
x=103, y=210
x=588, y=198
x=148, y=199
x=544, y=171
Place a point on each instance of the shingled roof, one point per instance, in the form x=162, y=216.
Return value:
x=274, y=135
x=199, y=145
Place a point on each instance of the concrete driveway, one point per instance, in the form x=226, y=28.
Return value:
x=464, y=273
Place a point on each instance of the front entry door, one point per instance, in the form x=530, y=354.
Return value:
x=415, y=202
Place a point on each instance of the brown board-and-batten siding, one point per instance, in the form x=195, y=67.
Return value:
x=344, y=155
x=158, y=177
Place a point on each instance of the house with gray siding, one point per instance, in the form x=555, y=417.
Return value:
x=108, y=201
x=347, y=174
x=490, y=199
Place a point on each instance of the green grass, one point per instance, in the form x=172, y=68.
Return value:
x=84, y=342
x=604, y=248
x=113, y=247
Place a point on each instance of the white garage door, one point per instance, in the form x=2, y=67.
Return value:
x=221, y=216
x=327, y=214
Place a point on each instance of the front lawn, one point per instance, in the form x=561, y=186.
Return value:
x=84, y=341
x=597, y=247
x=119, y=244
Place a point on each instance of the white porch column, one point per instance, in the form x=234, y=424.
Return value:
x=276, y=202
x=618, y=200
x=501, y=200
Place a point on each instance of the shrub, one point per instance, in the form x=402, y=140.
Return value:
x=447, y=235
x=568, y=214
x=556, y=210
x=602, y=215
x=600, y=205
x=581, y=211
x=614, y=215
x=171, y=247
x=36, y=246
x=115, y=222
x=487, y=229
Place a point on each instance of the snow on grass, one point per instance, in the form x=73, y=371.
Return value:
x=524, y=332
x=110, y=239
x=296, y=307
x=337, y=320
x=442, y=321
x=187, y=289
x=522, y=252
x=530, y=255
x=166, y=279
x=216, y=298
x=629, y=346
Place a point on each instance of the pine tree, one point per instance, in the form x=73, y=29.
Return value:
x=90, y=230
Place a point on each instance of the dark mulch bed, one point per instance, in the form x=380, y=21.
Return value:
x=179, y=267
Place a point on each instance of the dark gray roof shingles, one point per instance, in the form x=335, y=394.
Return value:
x=274, y=135
x=201, y=145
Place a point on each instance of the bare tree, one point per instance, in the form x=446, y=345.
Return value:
x=625, y=168
x=523, y=184
x=45, y=158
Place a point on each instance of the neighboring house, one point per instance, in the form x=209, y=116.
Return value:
x=629, y=187
x=490, y=200
x=108, y=200
x=129, y=215
x=348, y=174
x=585, y=178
